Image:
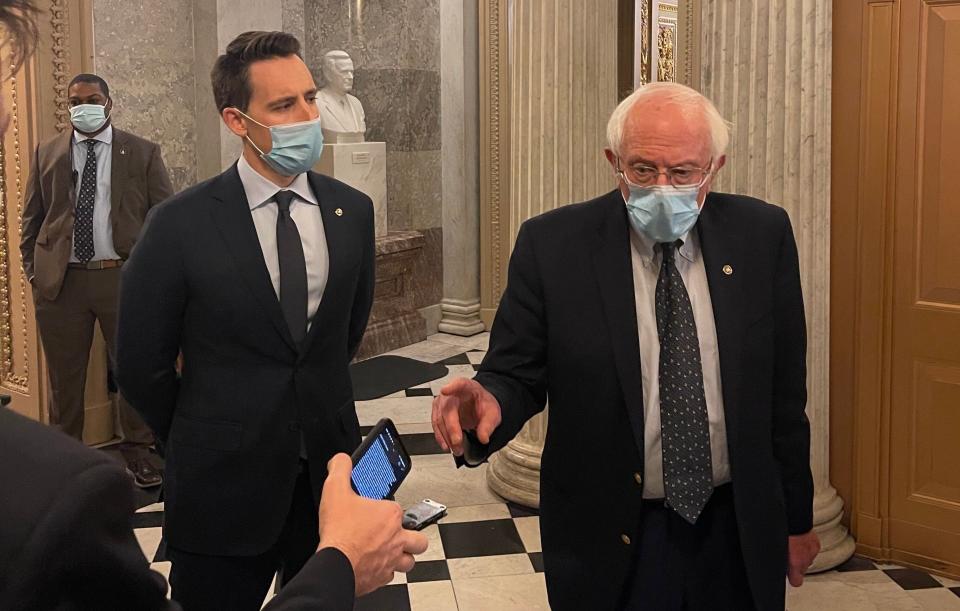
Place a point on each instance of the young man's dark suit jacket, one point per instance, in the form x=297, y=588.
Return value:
x=67, y=542
x=197, y=282
x=138, y=181
x=566, y=328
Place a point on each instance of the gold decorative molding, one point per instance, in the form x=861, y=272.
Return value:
x=60, y=33
x=643, y=76
x=8, y=375
x=687, y=51
x=666, y=36
x=667, y=65
x=494, y=134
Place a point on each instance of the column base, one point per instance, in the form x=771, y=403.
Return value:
x=836, y=544
x=460, y=318
x=514, y=473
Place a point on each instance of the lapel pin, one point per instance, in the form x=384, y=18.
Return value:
x=728, y=270
x=123, y=151
x=338, y=212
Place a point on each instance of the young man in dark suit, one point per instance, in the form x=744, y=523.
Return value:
x=89, y=190
x=666, y=326
x=263, y=278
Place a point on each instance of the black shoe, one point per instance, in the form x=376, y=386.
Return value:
x=144, y=474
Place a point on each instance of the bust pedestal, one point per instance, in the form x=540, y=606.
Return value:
x=363, y=166
x=394, y=319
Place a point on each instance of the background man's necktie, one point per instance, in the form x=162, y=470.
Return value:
x=293, y=269
x=83, y=224
x=684, y=427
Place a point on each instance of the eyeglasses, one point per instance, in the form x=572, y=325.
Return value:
x=679, y=176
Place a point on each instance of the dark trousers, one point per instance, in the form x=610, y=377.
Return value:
x=689, y=567
x=66, y=327
x=239, y=583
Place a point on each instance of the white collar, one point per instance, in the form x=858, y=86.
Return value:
x=260, y=190
x=106, y=136
x=689, y=248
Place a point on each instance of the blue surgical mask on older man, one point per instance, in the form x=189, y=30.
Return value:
x=295, y=147
x=663, y=213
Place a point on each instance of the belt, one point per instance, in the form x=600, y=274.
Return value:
x=104, y=264
x=722, y=491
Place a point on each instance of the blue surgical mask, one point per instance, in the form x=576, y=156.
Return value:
x=295, y=147
x=663, y=213
x=88, y=117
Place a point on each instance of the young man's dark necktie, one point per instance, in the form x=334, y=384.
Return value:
x=83, y=223
x=684, y=426
x=293, y=269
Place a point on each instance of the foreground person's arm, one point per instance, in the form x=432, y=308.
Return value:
x=362, y=544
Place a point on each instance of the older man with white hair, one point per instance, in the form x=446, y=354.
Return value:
x=665, y=325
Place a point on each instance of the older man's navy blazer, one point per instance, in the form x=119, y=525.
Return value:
x=566, y=330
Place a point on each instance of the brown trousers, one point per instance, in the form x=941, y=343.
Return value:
x=66, y=327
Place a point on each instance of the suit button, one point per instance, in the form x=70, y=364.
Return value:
x=639, y=478
x=294, y=426
x=625, y=539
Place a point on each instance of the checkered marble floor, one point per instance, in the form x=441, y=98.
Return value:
x=486, y=556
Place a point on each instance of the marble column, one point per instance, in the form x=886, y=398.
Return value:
x=235, y=17
x=145, y=53
x=767, y=66
x=562, y=89
x=459, y=138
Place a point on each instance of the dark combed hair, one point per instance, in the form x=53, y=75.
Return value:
x=93, y=79
x=230, y=74
x=18, y=19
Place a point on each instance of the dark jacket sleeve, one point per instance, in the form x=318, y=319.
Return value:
x=158, y=179
x=363, y=297
x=514, y=369
x=83, y=553
x=791, y=429
x=34, y=212
x=325, y=583
x=150, y=318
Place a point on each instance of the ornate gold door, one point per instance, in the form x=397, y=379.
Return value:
x=21, y=371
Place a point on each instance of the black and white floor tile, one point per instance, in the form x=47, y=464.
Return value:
x=486, y=556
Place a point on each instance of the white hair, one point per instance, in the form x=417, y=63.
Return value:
x=678, y=94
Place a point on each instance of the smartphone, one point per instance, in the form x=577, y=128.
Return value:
x=423, y=514
x=381, y=463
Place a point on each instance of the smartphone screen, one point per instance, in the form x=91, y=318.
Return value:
x=381, y=462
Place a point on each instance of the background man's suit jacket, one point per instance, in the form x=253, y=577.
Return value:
x=138, y=181
x=197, y=282
x=67, y=542
x=566, y=328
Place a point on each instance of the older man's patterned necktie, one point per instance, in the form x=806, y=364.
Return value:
x=83, y=224
x=684, y=426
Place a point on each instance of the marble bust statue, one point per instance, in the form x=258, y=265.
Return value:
x=340, y=112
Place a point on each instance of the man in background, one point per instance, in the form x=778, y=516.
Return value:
x=88, y=193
